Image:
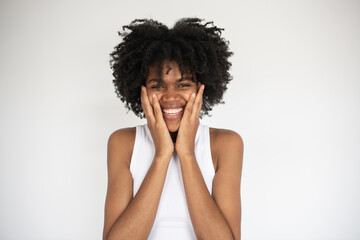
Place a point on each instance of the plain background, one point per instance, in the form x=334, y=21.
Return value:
x=294, y=100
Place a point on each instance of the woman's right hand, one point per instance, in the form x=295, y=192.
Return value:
x=164, y=146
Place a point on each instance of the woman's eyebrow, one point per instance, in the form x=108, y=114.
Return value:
x=160, y=80
x=186, y=78
x=157, y=80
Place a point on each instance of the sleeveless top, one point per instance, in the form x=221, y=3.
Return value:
x=172, y=219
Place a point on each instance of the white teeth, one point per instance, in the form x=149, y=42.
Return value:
x=172, y=110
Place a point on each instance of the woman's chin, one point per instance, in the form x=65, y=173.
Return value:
x=172, y=127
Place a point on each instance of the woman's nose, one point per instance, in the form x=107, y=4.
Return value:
x=170, y=95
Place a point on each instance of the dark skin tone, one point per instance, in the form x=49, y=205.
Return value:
x=213, y=216
x=174, y=91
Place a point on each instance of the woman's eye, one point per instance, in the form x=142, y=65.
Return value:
x=156, y=87
x=184, y=85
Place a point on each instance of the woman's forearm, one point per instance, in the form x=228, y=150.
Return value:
x=138, y=218
x=206, y=218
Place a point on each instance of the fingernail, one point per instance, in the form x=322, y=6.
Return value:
x=203, y=87
x=154, y=95
x=193, y=95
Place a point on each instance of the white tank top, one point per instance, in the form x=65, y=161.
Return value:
x=172, y=219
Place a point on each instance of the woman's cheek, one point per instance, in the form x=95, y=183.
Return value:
x=187, y=96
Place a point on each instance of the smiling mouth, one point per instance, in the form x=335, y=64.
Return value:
x=172, y=113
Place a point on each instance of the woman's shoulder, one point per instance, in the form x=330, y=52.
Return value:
x=121, y=141
x=123, y=134
x=224, y=140
x=224, y=135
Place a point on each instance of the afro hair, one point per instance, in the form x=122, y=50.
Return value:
x=197, y=47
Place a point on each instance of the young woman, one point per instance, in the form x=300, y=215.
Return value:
x=174, y=177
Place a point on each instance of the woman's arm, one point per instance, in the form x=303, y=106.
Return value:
x=216, y=217
x=127, y=217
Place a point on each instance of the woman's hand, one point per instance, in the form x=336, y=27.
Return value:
x=185, y=141
x=164, y=146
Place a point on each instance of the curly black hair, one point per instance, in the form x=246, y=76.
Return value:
x=197, y=47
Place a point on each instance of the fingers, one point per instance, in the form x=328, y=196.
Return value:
x=145, y=104
x=151, y=106
x=189, y=106
x=193, y=106
x=198, y=102
x=157, y=108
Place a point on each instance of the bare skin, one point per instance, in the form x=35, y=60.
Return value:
x=215, y=216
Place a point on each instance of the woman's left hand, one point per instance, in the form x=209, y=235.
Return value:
x=185, y=141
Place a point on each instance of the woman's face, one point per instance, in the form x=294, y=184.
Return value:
x=173, y=92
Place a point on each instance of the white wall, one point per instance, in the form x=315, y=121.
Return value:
x=294, y=100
